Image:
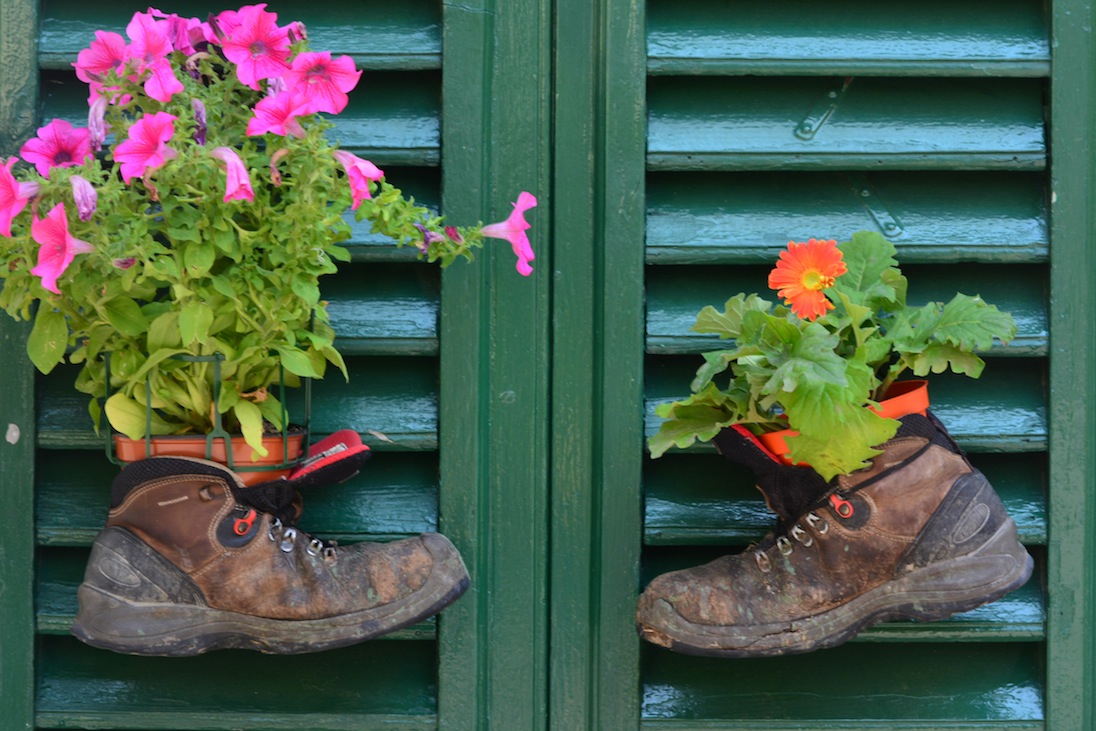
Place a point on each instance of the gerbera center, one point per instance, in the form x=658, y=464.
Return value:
x=816, y=280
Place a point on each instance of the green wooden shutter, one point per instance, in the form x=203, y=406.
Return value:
x=769, y=122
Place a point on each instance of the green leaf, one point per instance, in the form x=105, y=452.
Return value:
x=198, y=257
x=299, y=362
x=939, y=357
x=48, y=339
x=841, y=451
x=195, y=320
x=872, y=279
x=125, y=315
x=699, y=417
x=728, y=323
x=163, y=332
x=251, y=424
x=972, y=324
x=131, y=418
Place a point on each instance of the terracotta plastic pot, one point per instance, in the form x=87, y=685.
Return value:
x=903, y=398
x=277, y=462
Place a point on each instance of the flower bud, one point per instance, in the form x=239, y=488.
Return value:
x=97, y=126
x=200, y=120
x=85, y=196
x=125, y=263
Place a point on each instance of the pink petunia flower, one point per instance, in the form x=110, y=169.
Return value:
x=323, y=82
x=106, y=53
x=146, y=147
x=13, y=196
x=58, y=144
x=85, y=196
x=258, y=47
x=57, y=248
x=278, y=114
x=237, y=180
x=151, y=44
x=359, y=173
x=513, y=230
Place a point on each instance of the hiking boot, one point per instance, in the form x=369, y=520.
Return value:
x=917, y=534
x=184, y=567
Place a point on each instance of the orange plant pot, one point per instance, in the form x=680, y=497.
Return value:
x=277, y=462
x=903, y=398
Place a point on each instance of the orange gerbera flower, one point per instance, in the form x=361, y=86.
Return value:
x=803, y=271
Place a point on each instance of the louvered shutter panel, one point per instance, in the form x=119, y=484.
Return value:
x=778, y=121
x=384, y=305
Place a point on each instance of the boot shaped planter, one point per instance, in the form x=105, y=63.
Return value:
x=187, y=563
x=917, y=534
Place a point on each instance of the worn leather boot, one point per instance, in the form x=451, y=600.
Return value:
x=184, y=567
x=918, y=534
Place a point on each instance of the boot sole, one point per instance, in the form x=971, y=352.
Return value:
x=112, y=622
x=935, y=592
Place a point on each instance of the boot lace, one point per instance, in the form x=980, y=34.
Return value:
x=786, y=546
x=288, y=537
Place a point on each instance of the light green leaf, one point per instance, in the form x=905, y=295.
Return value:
x=48, y=339
x=299, y=362
x=251, y=424
x=872, y=278
x=131, y=418
x=728, y=323
x=195, y=321
x=198, y=257
x=125, y=315
x=972, y=324
x=163, y=332
x=938, y=357
x=685, y=423
x=836, y=452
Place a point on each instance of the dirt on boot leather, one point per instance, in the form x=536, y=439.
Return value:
x=918, y=534
x=184, y=566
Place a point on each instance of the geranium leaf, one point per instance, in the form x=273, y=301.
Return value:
x=938, y=357
x=835, y=451
x=48, y=339
x=972, y=324
x=872, y=279
x=728, y=323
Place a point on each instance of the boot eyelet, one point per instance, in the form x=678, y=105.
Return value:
x=784, y=545
x=802, y=536
x=275, y=525
x=315, y=546
x=818, y=523
x=763, y=562
x=289, y=539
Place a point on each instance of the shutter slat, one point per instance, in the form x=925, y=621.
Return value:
x=676, y=294
x=860, y=37
x=1003, y=411
x=703, y=218
x=855, y=686
x=709, y=123
x=393, y=684
x=384, y=309
x=375, y=35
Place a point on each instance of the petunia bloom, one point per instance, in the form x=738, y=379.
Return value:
x=13, y=196
x=150, y=47
x=97, y=125
x=278, y=114
x=359, y=173
x=258, y=47
x=85, y=196
x=803, y=272
x=146, y=147
x=108, y=52
x=323, y=82
x=237, y=181
x=58, y=144
x=57, y=248
x=513, y=230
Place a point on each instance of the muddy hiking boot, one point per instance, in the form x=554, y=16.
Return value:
x=918, y=534
x=185, y=565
